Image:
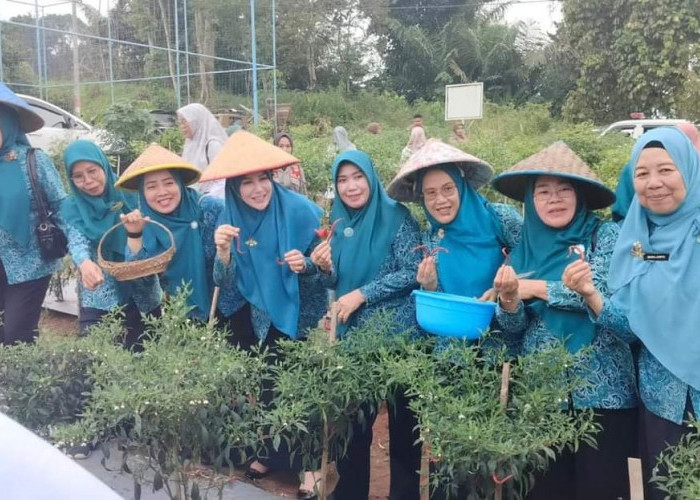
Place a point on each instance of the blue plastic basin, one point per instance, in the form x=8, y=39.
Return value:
x=450, y=315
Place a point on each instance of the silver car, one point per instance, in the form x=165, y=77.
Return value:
x=60, y=126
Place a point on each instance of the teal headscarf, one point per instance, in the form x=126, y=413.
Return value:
x=95, y=215
x=660, y=299
x=15, y=201
x=188, y=264
x=288, y=223
x=473, y=240
x=624, y=193
x=544, y=250
x=363, y=237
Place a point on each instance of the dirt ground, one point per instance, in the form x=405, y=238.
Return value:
x=282, y=484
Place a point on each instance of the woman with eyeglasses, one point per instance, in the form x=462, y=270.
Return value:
x=471, y=231
x=93, y=208
x=560, y=193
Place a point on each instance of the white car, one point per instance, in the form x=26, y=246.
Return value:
x=60, y=127
x=635, y=128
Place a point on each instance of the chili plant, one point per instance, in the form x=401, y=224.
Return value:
x=187, y=398
x=474, y=444
x=677, y=472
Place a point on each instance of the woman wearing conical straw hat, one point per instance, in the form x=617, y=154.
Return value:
x=654, y=279
x=161, y=179
x=93, y=208
x=472, y=231
x=560, y=193
x=265, y=235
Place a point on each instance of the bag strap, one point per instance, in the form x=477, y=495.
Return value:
x=36, y=187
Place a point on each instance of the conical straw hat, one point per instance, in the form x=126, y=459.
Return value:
x=476, y=171
x=153, y=159
x=557, y=160
x=29, y=120
x=245, y=153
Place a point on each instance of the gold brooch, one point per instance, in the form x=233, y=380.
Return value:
x=251, y=242
x=116, y=207
x=10, y=155
x=637, y=250
x=441, y=233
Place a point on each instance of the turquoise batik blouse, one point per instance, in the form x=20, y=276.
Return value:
x=606, y=366
x=24, y=264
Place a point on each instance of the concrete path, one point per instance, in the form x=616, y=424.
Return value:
x=123, y=483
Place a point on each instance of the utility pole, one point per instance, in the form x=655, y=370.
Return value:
x=76, y=64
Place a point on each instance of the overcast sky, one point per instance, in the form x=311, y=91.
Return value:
x=543, y=12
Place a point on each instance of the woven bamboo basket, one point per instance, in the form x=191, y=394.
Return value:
x=125, y=271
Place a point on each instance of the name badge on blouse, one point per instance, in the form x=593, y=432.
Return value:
x=639, y=253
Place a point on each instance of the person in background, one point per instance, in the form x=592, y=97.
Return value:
x=204, y=137
x=341, y=141
x=416, y=141
x=291, y=177
x=91, y=211
x=653, y=277
x=460, y=134
x=560, y=193
x=24, y=272
x=234, y=127
x=417, y=121
x=625, y=189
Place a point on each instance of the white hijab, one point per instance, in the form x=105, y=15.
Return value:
x=207, y=138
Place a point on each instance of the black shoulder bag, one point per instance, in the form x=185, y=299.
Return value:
x=53, y=243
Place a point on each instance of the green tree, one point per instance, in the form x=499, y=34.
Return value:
x=633, y=55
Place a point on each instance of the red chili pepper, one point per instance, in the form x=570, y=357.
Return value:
x=430, y=253
x=578, y=250
x=506, y=253
x=501, y=482
x=238, y=245
x=326, y=233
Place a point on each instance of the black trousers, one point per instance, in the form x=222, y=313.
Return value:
x=599, y=474
x=404, y=456
x=657, y=435
x=21, y=307
x=133, y=324
x=240, y=328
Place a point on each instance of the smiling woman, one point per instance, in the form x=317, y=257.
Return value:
x=93, y=208
x=559, y=192
x=162, y=180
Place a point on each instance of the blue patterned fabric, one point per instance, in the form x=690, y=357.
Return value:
x=313, y=299
x=473, y=239
x=25, y=263
x=607, y=366
x=188, y=262
x=660, y=299
x=14, y=200
x=390, y=290
x=662, y=393
x=510, y=224
x=111, y=294
x=287, y=223
x=230, y=299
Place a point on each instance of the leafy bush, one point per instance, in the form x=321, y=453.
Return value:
x=472, y=440
x=677, y=472
x=188, y=396
x=129, y=126
x=44, y=384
